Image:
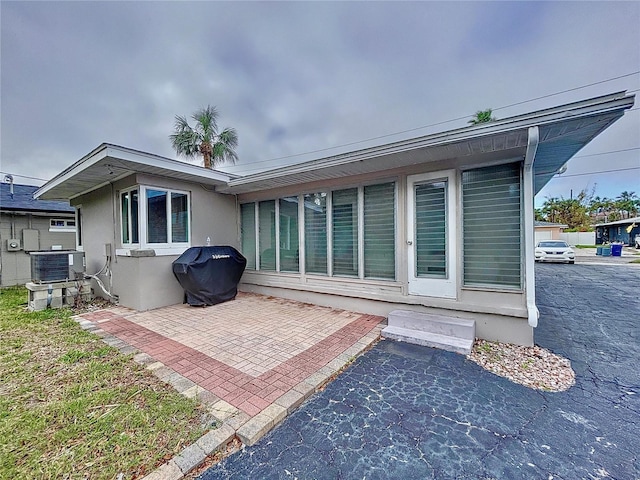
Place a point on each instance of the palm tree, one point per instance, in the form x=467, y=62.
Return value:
x=204, y=138
x=482, y=116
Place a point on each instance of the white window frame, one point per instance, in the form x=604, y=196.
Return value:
x=64, y=228
x=165, y=248
x=129, y=245
x=329, y=228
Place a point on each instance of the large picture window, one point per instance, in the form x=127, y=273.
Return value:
x=491, y=199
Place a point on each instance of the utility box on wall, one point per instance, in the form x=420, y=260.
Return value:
x=30, y=240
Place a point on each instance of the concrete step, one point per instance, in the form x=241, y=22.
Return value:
x=430, y=323
x=428, y=339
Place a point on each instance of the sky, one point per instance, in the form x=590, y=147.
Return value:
x=305, y=80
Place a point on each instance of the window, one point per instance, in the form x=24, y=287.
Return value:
x=379, y=231
x=129, y=216
x=62, y=225
x=349, y=232
x=491, y=201
x=289, y=244
x=79, y=228
x=430, y=229
x=160, y=220
x=267, y=234
x=315, y=232
x=248, y=233
x=345, y=232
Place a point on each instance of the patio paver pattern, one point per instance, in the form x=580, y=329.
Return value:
x=252, y=360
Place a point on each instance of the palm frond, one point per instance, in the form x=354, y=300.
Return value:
x=223, y=148
x=184, y=140
x=207, y=122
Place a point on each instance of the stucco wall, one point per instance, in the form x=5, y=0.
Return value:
x=147, y=282
x=15, y=267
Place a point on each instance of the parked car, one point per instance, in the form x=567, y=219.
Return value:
x=637, y=241
x=554, y=251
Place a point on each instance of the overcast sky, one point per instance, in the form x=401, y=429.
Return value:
x=301, y=77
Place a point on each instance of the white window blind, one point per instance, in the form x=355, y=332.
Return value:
x=345, y=232
x=315, y=232
x=491, y=199
x=379, y=231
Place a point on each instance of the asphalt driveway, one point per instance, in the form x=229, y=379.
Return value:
x=403, y=411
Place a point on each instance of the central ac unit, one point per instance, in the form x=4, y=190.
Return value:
x=57, y=266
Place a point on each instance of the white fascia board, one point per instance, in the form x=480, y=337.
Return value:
x=132, y=157
x=597, y=105
x=85, y=162
x=149, y=159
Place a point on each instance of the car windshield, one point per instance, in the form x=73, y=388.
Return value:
x=553, y=244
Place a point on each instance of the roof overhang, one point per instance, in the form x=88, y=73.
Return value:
x=108, y=163
x=564, y=130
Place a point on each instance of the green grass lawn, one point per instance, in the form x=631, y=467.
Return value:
x=73, y=407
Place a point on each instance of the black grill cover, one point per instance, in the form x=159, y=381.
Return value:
x=209, y=275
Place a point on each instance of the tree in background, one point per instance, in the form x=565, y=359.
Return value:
x=482, y=116
x=627, y=203
x=204, y=138
x=573, y=212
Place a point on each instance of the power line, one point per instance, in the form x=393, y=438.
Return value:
x=596, y=173
x=435, y=124
x=607, y=153
x=25, y=176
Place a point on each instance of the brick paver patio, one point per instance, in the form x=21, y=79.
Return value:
x=251, y=359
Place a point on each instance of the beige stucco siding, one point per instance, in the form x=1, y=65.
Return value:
x=145, y=283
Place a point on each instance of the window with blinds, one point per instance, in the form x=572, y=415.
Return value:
x=491, y=199
x=345, y=232
x=315, y=232
x=289, y=245
x=267, y=234
x=430, y=229
x=379, y=231
x=248, y=233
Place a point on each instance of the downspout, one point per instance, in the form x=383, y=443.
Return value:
x=529, y=236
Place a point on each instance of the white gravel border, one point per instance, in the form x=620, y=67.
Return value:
x=534, y=367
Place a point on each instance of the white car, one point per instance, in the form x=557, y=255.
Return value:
x=554, y=251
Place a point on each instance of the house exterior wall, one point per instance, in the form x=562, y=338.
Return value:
x=547, y=233
x=144, y=283
x=500, y=314
x=15, y=267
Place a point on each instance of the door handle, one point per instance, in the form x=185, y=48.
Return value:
x=409, y=242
